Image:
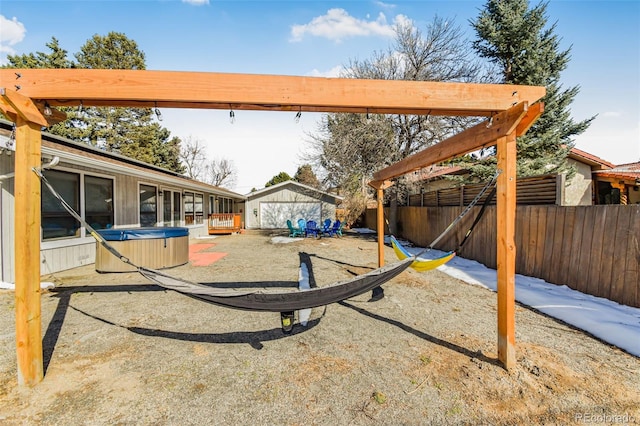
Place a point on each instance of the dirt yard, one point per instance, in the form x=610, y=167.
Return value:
x=120, y=350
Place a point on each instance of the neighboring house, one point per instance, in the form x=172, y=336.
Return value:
x=271, y=207
x=619, y=185
x=109, y=191
x=596, y=181
x=580, y=191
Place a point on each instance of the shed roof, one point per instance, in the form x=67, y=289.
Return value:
x=289, y=183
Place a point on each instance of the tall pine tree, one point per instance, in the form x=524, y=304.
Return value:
x=517, y=40
x=132, y=132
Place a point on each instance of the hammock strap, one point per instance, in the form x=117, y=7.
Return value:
x=487, y=201
x=84, y=223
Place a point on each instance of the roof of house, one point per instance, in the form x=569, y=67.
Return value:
x=629, y=173
x=594, y=161
x=53, y=144
x=288, y=183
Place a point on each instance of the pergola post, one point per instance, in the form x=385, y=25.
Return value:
x=380, y=223
x=27, y=253
x=506, y=248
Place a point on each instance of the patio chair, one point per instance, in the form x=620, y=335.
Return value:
x=312, y=229
x=336, y=229
x=302, y=225
x=293, y=231
x=326, y=227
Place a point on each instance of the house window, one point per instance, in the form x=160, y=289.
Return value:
x=225, y=205
x=193, y=208
x=98, y=201
x=171, y=207
x=148, y=205
x=57, y=223
x=176, y=207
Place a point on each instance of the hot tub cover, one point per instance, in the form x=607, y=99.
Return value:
x=126, y=234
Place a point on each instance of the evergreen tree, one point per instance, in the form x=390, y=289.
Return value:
x=306, y=176
x=56, y=59
x=279, y=178
x=132, y=132
x=517, y=40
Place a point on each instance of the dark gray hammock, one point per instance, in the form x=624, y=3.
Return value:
x=273, y=301
x=253, y=300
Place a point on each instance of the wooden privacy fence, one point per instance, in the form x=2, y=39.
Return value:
x=546, y=189
x=592, y=249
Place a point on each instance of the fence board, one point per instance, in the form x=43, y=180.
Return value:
x=595, y=251
x=558, y=232
x=550, y=232
x=541, y=246
x=569, y=230
x=602, y=250
x=631, y=294
x=573, y=256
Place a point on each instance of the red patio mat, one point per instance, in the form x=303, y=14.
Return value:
x=198, y=258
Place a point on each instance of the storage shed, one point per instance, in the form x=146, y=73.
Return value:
x=271, y=207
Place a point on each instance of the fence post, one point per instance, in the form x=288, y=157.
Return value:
x=560, y=183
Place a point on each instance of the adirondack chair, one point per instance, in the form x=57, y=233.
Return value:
x=326, y=227
x=312, y=229
x=336, y=229
x=293, y=231
x=302, y=224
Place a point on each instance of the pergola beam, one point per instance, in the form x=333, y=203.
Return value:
x=172, y=89
x=474, y=138
x=22, y=106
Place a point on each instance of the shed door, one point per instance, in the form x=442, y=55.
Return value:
x=275, y=215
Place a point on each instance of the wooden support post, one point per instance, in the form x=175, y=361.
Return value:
x=27, y=253
x=506, y=249
x=620, y=186
x=380, y=217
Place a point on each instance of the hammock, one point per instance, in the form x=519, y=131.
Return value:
x=278, y=301
x=420, y=264
x=251, y=299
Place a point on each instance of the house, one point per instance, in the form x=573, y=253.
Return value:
x=109, y=191
x=271, y=207
x=619, y=184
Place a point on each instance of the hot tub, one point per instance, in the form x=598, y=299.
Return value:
x=155, y=248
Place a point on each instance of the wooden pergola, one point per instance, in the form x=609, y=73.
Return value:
x=28, y=97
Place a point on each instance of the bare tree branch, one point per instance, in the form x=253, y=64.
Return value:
x=192, y=155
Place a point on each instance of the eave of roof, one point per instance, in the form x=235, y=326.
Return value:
x=590, y=159
x=53, y=144
x=292, y=182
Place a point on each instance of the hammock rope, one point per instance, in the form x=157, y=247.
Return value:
x=261, y=299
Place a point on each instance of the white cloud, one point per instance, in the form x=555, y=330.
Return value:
x=196, y=2
x=333, y=72
x=12, y=32
x=337, y=24
x=611, y=114
x=384, y=5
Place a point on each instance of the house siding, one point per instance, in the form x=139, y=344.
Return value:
x=579, y=191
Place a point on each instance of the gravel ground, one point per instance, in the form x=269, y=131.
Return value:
x=120, y=350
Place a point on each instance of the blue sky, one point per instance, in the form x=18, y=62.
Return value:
x=317, y=38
